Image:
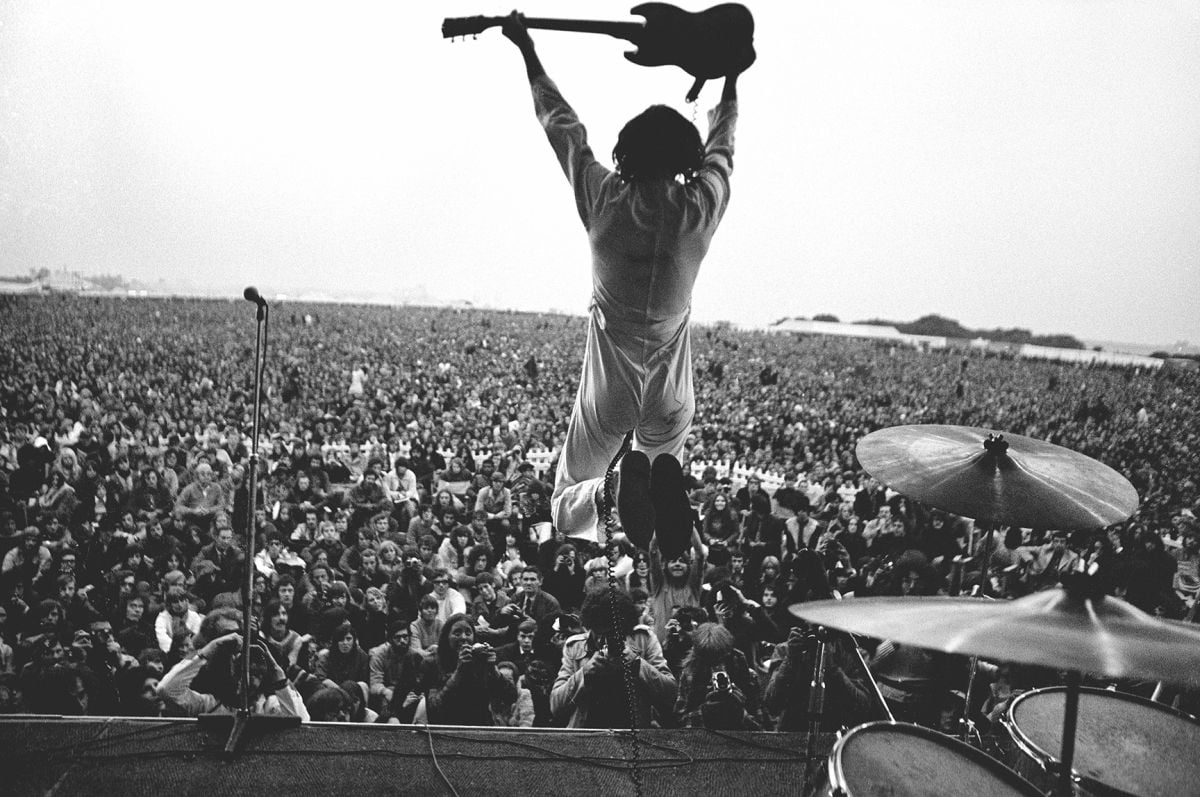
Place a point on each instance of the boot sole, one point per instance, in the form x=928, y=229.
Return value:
x=634, y=505
x=672, y=509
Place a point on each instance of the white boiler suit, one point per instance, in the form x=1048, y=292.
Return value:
x=647, y=241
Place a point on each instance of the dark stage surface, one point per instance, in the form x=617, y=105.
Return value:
x=177, y=757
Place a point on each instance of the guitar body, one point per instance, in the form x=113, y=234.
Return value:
x=706, y=44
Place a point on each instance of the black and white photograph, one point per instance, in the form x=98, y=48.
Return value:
x=784, y=398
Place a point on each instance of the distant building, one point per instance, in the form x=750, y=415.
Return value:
x=67, y=282
x=801, y=326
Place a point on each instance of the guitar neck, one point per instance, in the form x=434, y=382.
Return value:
x=466, y=26
x=619, y=30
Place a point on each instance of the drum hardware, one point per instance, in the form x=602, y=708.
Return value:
x=1015, y=481
x=1066, y=787
x=1076, y=629
x=965, y=723
x=1124, y=744
x=899, y=758
x=1163, y=693
x=887, y=710
x=856, y=646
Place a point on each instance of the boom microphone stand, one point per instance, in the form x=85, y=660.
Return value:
x=242, y=718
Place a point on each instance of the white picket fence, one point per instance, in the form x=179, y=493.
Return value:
x=738, y=474
x=538, y=457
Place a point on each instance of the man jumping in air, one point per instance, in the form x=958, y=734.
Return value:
x=649, y=224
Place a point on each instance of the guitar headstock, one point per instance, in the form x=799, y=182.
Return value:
x=453, y=27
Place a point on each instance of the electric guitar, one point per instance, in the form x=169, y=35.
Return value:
x=705, y=44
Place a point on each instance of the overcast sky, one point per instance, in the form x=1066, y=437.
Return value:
x=1031, y=164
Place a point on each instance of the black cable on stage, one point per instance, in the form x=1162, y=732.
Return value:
x=436, y=765
x=618, y=647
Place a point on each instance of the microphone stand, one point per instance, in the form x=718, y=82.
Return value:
x=816, y=706
x=242, y=717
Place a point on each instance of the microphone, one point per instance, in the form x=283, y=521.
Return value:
x=251, y=294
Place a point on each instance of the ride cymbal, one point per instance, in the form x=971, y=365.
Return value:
x=1008, y=479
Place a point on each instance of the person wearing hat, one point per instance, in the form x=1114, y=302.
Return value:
x=28, y=559
x=367, y=498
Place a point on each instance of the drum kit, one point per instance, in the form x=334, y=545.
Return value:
x=1065, y=740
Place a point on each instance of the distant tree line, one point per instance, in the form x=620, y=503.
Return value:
x=938, y=326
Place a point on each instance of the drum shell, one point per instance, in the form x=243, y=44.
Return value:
x=963, y=769
x=1145, y=737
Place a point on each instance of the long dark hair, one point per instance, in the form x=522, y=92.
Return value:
x=659, y=143
x=812, y=582
x=447, y=658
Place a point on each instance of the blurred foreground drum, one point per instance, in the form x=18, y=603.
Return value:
x=897, y=759
x=1123, y=744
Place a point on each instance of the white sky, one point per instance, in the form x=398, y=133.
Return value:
x=1001, y=162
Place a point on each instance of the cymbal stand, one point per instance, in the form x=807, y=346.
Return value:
x=985, y=565
x=1065, y=786
x=965, y=723
x=875, y=690
x=816, y=705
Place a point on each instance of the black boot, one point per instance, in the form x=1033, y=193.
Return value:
x=673, y=513
x=634, y=507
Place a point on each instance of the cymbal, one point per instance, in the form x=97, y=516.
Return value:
x=1013, y=480
x=1102, y=636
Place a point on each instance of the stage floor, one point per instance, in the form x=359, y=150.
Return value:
x=118, y=756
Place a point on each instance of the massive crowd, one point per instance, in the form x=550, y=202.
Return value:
x=404, y=567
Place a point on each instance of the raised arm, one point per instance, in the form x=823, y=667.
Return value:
x=515, y=31
x=729, y=91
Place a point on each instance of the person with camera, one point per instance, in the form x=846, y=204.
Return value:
x=847, y=700
x=220, y=657
x=717, y=688
x=599, y=665
x=565, y=581
x=464, y=682
x=745, y=619
x=679, y=635
x=101, y=661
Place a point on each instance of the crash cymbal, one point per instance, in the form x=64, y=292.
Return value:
x=1007, y=479
x=1102, y=636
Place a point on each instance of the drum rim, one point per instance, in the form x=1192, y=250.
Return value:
x=1050, y=762
x=837, y=773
